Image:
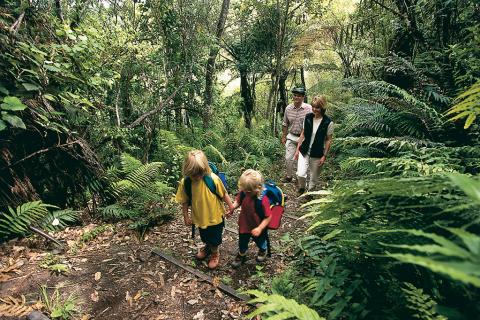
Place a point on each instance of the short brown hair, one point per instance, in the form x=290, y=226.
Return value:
x=195, y=163
x=320, y=102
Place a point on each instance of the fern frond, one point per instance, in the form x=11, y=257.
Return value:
x=467, y=105
x=129, y=163
x=59, y=219
x=145, y=174
x=18, y=221
x=420, y=303
x=277, y=307
x=445, y=257
x=215, y=155
x=116, y=212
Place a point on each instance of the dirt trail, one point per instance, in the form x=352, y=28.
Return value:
x=115, y=276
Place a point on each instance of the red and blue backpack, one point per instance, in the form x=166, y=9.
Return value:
x=277, y=205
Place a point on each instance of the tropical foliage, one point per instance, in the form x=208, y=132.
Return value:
x=100, y=101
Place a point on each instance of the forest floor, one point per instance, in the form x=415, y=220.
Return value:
x=113, y=275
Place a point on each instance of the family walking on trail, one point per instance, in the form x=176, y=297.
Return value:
x=307, y=136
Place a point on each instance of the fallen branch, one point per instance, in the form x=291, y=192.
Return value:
x=154, y=111
x=227, y=289
x=40, y=151
x=46, y=235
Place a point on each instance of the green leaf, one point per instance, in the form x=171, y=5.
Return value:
x=56, y=313
x=3, y=126
x=12, y=104
x=30, y=86
x=3, y=90
x=450, y=269
x=52, y=68
x=48, y=96
x=331, y=234
x=469, y=120
x=470, y=186
x=13, y=120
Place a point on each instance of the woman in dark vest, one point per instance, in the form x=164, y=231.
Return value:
x=313, y=144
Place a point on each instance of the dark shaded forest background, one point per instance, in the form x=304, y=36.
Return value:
x=100, y=100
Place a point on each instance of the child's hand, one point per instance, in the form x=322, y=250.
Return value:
x=256, y=232
x=187, y=220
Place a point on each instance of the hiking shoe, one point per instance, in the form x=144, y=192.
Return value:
x=214, y=260
x=203, y=253
x=262, y=255
x=239, y=260
x=287, y=179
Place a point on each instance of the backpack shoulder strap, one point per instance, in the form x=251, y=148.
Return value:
x=259, y=206
x=242, y=196
x=211, y=185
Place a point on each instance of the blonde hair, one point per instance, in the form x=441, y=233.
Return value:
x=251, y=181
x=196, y=163
x=320, y=102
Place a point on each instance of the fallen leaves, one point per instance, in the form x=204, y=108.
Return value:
x=12, y=266
x=16, y=307
x=94, y=296
x=98, y=275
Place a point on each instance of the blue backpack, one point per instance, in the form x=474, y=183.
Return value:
x=187, y=184
x=208, y=181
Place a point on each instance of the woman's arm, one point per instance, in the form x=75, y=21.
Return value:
x=328, y=142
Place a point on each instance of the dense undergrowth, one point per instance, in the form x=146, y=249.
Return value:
x=97, y=115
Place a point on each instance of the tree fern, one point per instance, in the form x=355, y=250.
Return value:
x=276, y=307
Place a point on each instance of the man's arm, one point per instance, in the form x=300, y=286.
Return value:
x=284, y=134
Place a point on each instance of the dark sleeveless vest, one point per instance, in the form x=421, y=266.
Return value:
x=319, y=141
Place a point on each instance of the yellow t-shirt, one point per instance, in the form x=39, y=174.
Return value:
x=207, y=208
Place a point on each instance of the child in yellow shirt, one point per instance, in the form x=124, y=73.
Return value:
x=207, y=210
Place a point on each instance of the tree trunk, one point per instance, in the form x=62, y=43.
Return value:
x=247, y=101
x=210, y=69
x=58, y=10
x=302, y=77
x=282, y=102
x=282, y=26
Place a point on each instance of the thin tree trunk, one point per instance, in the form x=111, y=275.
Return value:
x=282, y=26
x=58, y=9
x=210, y=72
x=302, y=77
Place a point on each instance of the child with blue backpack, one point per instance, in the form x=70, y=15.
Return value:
x=252, y=224
x=204, y=192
